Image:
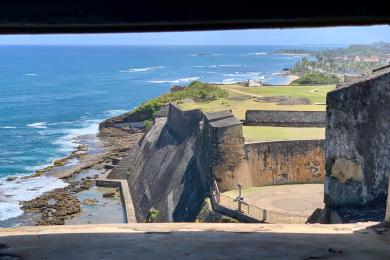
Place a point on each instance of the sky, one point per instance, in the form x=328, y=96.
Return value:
x=309, y=36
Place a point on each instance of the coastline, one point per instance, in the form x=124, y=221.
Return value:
x=89, y=160
x=78, y=198
x=291, y=78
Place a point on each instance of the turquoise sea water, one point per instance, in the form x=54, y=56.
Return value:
x=51, y=94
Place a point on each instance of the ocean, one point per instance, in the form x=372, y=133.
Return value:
x=51, y=94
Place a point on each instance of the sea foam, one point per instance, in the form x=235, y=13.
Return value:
x=69, y=142
x=175, y=81
x=12, y=192
x=38, y=125
x=256, y=53
x=142, y=69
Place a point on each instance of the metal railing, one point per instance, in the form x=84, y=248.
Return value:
x=253, y=211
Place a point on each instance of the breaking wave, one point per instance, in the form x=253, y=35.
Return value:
x=12, y=192
x=38, y=125
x=142, y=69
x=176, y=81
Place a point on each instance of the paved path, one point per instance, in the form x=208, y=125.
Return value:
x=295, y=199
x=244, y=93
x=196, y=241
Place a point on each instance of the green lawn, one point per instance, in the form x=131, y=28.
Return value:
x=317, y=94
x=270, y=133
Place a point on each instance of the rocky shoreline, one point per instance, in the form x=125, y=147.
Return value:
x=96, y=154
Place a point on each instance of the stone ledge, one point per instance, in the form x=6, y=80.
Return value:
x=126, y=200
x=189, y=227
x=213, y=116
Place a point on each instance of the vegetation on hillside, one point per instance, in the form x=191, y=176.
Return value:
x=293, y=51
x=197, y=91
x=316, y=78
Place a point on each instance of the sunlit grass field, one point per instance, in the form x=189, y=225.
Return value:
x=241, y=99
x=316, y=94
x=270, y=133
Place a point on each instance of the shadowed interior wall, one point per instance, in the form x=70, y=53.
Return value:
x=357, y=143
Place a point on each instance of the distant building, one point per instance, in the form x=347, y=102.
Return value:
x=253, y=83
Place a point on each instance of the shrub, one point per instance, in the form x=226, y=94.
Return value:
x=152, y=215
x=148, y=124
x=316, y=78
x=197, y=90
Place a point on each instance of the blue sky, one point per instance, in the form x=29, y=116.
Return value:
x=330, y=35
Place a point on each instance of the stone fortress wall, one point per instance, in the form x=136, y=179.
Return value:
x=264, y=163
x=357, y=147
x=285, y=118
x=182, y=154
x=186, y=152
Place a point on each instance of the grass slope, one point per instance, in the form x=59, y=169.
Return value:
x=270, y=133
x=316, y=94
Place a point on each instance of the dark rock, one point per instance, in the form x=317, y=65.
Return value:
x=126, y=118
x=109, y=194
x=295, y=101
x=89, y=202
x=272, y=99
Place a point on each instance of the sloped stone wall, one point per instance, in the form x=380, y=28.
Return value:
x=166, y=173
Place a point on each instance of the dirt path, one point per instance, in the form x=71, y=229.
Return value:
x=244, y=93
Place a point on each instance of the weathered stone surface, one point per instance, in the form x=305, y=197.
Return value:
x=345, y=170
x=166, y=171
x=213, y=116
x=357, y=143
x=180, y=155
x=387, y=216
x=284, y=162
x=285, y=118
x=54, y=207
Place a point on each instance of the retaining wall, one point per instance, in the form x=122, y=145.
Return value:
x=285, y=162
x=285, y=118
